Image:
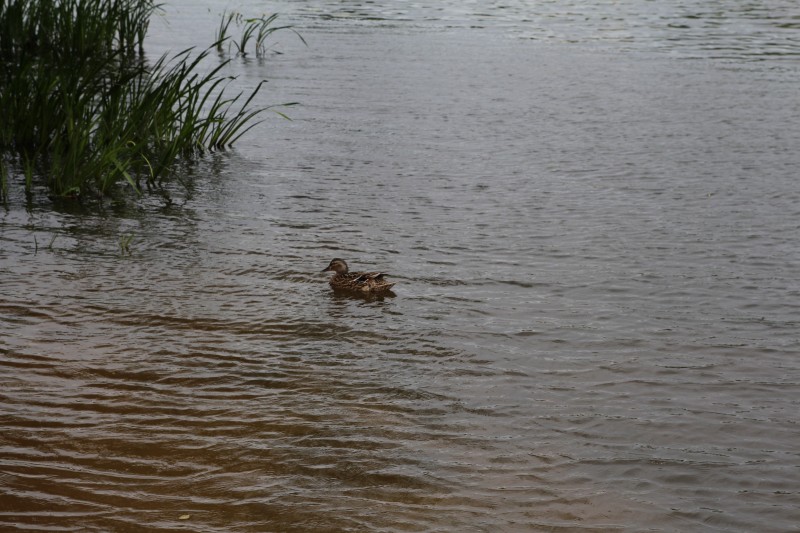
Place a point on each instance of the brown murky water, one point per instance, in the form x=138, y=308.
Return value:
x=593, y=220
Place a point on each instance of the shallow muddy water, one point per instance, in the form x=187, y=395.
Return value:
x=593, y=218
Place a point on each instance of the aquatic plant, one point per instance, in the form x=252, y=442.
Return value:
x=84, y=111
x=74, y=30
x=3, y=181
x=257, y=30
x=125, y=244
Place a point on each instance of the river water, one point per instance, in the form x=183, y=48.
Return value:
x=592, y=213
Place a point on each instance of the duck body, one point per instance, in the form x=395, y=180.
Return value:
x=358, y=282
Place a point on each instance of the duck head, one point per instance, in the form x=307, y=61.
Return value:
x=338, y=266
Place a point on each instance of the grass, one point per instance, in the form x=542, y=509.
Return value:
x=84, y=112
x=125, y=244
x=255, y=30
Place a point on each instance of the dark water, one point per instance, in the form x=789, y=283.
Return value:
x=592, y=214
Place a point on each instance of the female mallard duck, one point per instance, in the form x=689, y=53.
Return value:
x=361, y=282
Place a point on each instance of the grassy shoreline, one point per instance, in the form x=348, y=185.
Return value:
x=85, y=113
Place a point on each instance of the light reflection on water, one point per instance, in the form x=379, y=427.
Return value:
x=596, y=322
x=692, y=28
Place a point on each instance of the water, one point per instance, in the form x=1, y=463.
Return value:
x=592, y=216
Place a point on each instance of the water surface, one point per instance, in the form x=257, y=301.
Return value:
x=592, y=216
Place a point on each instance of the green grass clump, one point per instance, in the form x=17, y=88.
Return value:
x=255, y=30
x=82, y=109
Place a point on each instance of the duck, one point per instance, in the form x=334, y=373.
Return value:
x=359, y=282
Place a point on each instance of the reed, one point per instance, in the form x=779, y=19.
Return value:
x=125, y=244
x=256, y=30
x=3, y=181
x=83, y=110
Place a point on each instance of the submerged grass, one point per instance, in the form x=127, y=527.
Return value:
x=83, y=110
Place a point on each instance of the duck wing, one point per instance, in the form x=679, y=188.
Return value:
x=364, y=277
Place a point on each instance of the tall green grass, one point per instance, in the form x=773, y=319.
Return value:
x=84, y=112
x=256, y=30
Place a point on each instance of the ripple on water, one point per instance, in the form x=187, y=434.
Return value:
x=595, y=323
